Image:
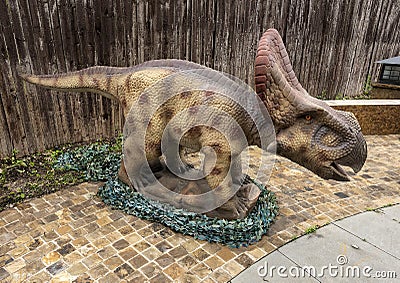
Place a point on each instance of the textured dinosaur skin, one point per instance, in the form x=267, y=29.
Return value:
x=308, y=131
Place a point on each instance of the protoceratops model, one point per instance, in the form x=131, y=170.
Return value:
x=307, y=130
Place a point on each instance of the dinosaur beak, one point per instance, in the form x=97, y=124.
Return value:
x=356, y=158
x=338, y=173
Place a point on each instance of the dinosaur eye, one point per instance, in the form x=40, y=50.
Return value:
x=308, y=117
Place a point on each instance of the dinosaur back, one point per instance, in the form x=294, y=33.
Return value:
x=102, y=79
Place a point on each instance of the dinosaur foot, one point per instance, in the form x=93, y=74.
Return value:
x=183, y=186
x=240, y=205
x=157, y=171
x=160, y=171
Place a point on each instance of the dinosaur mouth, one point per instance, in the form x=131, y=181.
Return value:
x=338, y=172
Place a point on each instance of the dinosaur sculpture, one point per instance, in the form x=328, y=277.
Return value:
x=307, y=130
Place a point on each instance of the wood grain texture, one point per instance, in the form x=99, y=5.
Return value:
x=332, y=44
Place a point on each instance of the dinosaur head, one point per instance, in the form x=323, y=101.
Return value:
x=308, y=131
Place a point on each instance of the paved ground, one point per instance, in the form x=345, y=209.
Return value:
x=71, y=236
x=360, y=248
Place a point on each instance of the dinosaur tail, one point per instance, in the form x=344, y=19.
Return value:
x=100, y=79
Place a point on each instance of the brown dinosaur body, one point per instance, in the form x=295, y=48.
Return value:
x=308, y=131
x=127, y=85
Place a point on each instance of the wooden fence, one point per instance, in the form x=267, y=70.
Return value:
x=332, y=44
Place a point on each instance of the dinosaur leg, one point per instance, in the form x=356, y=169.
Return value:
x=173, y=155
x=123, y=176
x=178, y=164
x=223, y=181
x=139, y=164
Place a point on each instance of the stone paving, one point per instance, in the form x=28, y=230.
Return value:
x=71, y=236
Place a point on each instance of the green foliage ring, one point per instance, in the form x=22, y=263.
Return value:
x=100, y=162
